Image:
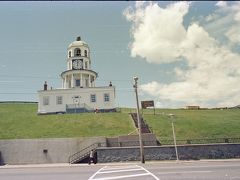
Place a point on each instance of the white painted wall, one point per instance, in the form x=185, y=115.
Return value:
x=68, y=95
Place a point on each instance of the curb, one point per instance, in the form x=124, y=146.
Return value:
x=60, y=165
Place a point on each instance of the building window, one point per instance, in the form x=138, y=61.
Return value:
x=59, y=100
x=45, y=100
x=77, y=52
x=85, y=53
x=69, y=54
x=86, y=65
x=93, y=97
x=77, y=82
x=106, y=97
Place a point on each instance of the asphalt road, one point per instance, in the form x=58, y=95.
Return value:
x=213, y=170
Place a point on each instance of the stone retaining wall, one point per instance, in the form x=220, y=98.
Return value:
x=185, y=152
x=148, y=139
x=58, y=150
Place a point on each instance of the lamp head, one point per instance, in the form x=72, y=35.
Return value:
x=171, y=115
x=135, y=78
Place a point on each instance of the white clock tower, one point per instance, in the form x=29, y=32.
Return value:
x=78, y=93
x=79, y=73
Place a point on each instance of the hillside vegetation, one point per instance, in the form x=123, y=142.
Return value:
x=194, y=124
x=21, y=121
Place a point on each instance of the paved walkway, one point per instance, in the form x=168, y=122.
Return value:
x=109, y=164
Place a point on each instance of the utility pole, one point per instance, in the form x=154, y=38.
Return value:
x=139, y=122
x=174, y=136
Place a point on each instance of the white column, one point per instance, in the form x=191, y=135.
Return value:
x=81, y=81
x=89, y=82
x=72, y=81
x=93, y=82
x=65, y=83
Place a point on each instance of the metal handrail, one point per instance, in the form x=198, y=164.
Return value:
x=84, y=152
x=88, y=107
x=77, y=106
x=73, y=106
x=143, y=122
x=201, y=141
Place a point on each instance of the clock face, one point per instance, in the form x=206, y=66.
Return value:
x=77, y=64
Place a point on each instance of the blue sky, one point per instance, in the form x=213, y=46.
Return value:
x=184, y=53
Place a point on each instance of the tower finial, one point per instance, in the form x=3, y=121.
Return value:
x=45, y=86
x=78, y=38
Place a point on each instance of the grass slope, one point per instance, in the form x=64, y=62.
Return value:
x=21, y=121
x=194, y=124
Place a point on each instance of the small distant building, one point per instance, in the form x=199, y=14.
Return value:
x=193, y=107
x=78, y=92
x=220, y=108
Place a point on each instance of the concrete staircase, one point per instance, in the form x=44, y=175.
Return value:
x=149, y=139
x=84, y=153
x=78, y=108
x=144, y=127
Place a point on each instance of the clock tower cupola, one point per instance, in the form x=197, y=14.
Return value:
x=79, y=73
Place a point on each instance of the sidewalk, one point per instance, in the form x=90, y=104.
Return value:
x=113, y=163
x=39, y=165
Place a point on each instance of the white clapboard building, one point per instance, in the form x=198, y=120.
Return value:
x=78, y=92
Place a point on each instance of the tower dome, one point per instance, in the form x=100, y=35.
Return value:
x=78, y=48
x=77, y=43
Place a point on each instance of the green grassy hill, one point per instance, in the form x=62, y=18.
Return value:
x=21, y=121
x=194, y=124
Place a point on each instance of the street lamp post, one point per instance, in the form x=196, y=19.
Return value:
x=139, y=123
x=174, y=137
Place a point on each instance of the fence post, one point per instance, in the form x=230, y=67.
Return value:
x=226, y=140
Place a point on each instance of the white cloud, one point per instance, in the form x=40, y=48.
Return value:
x=213, y=70
x=212, y=17
x=233, y=34
x=227, y=21
x=147, y=30
x=221, y=4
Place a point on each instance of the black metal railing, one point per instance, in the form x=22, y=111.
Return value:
x=144, y=126
x=78, y=108
x=131, y=143
x=200, y=141
x=78, y=156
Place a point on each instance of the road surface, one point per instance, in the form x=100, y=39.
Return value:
x=213, y=170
